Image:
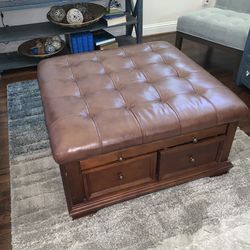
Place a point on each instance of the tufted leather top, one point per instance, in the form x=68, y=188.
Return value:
x=99, y=102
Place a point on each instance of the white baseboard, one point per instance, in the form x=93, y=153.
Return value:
x=156, y=28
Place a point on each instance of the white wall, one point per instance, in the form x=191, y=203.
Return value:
x=161, y=16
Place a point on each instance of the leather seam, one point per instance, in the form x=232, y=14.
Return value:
x=139, y=125
x=165, y=61
x=190, y=83
x=217, y=118
x=97, y=130
x=118, y=90
x=62, y=118
x=125, y=53
x=150, y=83
x=98, y=133
x=192, y=86
x=76, y=83
x=176, y=116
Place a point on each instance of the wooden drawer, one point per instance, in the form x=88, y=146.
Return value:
x=144, y=149
x=175, y=160
x=119, y=175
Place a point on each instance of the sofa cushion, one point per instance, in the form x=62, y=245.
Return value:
x=225, y=27
x=236, y=5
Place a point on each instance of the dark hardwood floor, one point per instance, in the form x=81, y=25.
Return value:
x=221, y=65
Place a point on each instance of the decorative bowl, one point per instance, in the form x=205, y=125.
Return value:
x=26, y=48
x=95, y=11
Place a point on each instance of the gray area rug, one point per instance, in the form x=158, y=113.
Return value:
x=210, y=213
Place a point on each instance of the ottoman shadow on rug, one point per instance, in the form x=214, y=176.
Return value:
x=210, y=213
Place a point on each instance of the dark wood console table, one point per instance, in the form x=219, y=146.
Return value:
x=13, y=60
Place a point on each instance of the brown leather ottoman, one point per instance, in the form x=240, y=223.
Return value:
x=130, y=121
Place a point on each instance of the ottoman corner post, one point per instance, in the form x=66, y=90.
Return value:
x=73, y=184
x=222, y=158
x=231, y=130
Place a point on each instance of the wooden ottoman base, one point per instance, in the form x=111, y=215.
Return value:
x=106, y=179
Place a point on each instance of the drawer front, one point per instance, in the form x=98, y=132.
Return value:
x=188, y=156
x=144, y=149
x=120, y=175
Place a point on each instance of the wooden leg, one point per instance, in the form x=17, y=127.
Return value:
x=223, y=170
x=219, y=174
x=209, y=55
x=237, y=69
x=178, y=41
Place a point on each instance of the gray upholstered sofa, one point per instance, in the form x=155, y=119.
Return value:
x=226, y=25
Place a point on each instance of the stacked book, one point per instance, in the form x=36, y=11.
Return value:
x=115, y=16
x=82, y=42
x=104, y=40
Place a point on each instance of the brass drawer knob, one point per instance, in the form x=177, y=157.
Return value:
x=195, y=139
x=120, y=176
x=192, y=159
x=120, y=158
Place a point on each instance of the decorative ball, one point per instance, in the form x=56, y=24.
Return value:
x=48, y=41
x=114, y=4
x=57, y=13
x=56, y=44
x=74, y=16
x=56, y=38
x=50, y=49
x=82, y=8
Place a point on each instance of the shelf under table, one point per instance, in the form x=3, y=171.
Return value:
x=7, y=5
x=14, y=60
x=46, y=29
